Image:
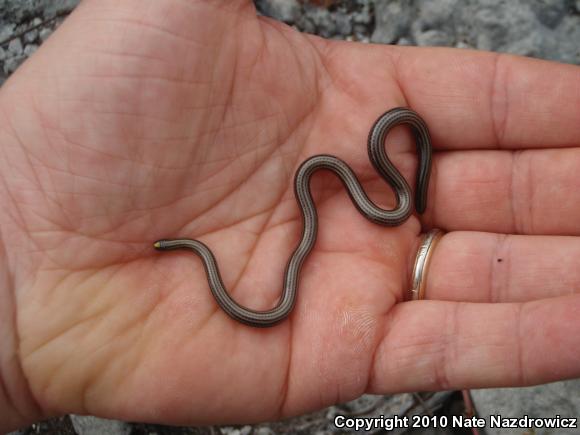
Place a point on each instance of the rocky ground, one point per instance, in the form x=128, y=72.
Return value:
x=548, y=29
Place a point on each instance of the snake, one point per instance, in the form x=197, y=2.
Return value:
x=378, y=158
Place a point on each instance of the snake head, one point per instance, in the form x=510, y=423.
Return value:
x=161, y=245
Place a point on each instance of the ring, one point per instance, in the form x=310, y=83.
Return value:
x=422, y=260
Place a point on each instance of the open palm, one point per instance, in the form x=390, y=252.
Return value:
x=143, y=120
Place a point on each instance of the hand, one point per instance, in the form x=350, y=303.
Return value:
x=143, y=120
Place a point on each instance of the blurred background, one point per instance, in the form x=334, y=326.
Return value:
x=547, y=29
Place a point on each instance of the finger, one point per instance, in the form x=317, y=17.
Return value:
x=487, y=267
x=490, y=100
x=527, y=192
x=433, y=345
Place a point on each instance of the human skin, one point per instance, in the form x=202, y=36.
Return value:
x=148, y=119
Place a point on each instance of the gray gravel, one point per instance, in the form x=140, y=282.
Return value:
x=559, y=398
x=24, y=25
x=548, y=29
x=88, y=425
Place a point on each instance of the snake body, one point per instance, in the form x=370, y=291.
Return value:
x=361, y=201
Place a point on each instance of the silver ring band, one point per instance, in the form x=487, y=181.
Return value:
x=422, y=260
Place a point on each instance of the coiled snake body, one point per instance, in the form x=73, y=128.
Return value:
x=361, y=201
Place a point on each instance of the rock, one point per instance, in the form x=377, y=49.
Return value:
x=491, y=30
x=393, y=20
x=306, y=25
x=283, y=10
x=16, y=11
x=322, y=20
x=532, y=45
x=500, y=30
x=567, y=37
x=550, y=12
x=560, y=398
x=6, y=31
x=363, y=16
x=246, y=430
x=404, y=41
x=343, y=23
x=30, y=49
x=44, y=34
x=360, y=28
x=434, y=38
x=21, y=28
x=463, y=44
x=264, y=431
x=88, y=425
x=3, y=54
x=31, y=36
x=57, y=7
x=436, y=14
x=15, y=47
x=11, y=64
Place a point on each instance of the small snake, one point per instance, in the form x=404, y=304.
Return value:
x=365, y=206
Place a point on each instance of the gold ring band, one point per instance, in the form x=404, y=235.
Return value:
x=422, y=260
